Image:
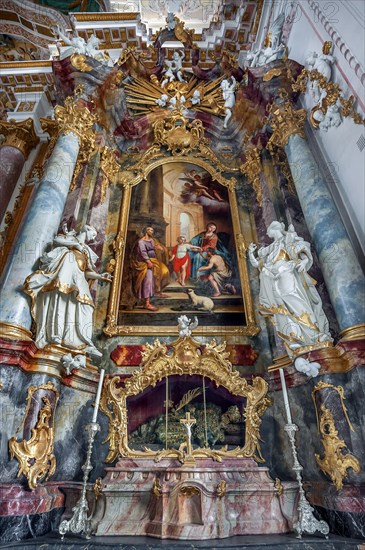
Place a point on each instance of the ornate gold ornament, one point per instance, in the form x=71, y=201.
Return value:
x=186, y=358
x=35, y=456
x=178, y=135
x=278, y=487
x=75, y=118
x=110, y=168
x=20, y=135
x=142, y=95
x=97, y=488
x=156, y=488
x=252, y=169
x=189, y=491
x=285, y=121
x=272, y=73
x=221, y=488
x=334, y=462
x=357, y=332
x=334, y=93
x=79, y=62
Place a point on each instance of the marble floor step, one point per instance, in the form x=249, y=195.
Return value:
x=52, y=541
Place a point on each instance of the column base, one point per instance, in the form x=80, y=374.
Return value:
x=10, y=331
x=357, y=332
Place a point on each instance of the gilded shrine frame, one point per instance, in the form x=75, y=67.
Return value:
x=187, y=357
x=188, y=145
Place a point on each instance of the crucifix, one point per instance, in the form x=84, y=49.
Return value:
x=188, y=423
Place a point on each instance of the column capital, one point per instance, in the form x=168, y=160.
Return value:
x=19, y=134
x=285, y=121
x=75, y=117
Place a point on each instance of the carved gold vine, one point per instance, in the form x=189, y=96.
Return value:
x=335, y=461
x=110, y=168
x=252, y=169
x=186, y=358
x=35, y=455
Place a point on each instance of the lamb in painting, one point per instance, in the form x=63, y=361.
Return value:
x=201, y=302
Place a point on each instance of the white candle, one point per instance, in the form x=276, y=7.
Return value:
x=285, y=395
x=98, y=395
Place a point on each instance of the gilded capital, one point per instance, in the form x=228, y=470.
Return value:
x=285, y=121
x=20, y=135
x=76, y=118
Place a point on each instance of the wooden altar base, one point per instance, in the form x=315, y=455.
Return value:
x=209, y=500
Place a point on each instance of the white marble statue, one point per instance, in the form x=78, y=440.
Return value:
x=170, y=21
x=80, y=46
x=323, y=64
x=288, y=296
x=273, y=47
x=173, y=68
x=330, y=119
x=228, y=87
x=196, y=98
x=310, y=368
x=62, y=305
x=162, y=101
x=186, y=325
x=71, y=362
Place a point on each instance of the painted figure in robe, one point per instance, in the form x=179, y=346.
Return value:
x=288, y=296
x=207, y=239
x=149, y=273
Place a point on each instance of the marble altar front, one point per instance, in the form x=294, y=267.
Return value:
x=203, y=501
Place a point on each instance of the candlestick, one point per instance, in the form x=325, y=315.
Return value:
x=285, y=396
x=98, y=395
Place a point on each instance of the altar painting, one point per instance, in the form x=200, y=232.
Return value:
x=182, y=218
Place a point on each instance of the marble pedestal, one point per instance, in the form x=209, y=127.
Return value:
x=170, y=500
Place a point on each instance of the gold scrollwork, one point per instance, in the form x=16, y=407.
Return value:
x=189, y=491
x=285, y=121
x=252, y=169
x=35, y=455
x=334, y=462
x=186, y=358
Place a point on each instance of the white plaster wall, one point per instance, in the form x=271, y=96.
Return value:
x=338, y=146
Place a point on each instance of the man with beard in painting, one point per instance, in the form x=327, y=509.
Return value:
x=149, y=273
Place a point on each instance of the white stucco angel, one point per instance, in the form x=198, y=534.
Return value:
x=173, y=68
x=228, y=87
x=80, y=46
x=186, y=325
x=273, y=47
x=62, y=305
x=288, y=296
x=331, y=118
x=323, y=64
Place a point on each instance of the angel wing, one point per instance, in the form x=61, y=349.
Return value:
x=275, y=31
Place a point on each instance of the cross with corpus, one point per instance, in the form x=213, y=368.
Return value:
x=188, y=423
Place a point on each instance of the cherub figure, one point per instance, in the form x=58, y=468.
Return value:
x=186, y=325
x=228, y=87
x=174, y=68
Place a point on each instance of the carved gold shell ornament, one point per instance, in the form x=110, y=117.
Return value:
x=185, y=358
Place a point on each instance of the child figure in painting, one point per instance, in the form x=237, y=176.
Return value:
x=180, y=259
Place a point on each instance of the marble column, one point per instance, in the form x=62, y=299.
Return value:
x=42, y=220
x=19, y=139
x=342, y=272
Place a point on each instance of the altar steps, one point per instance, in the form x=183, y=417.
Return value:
x=52, y=541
